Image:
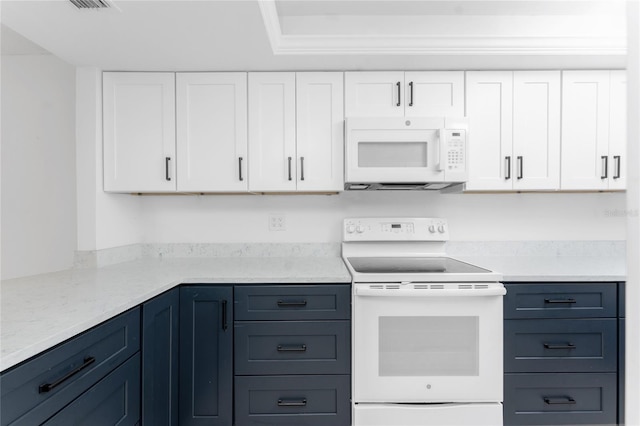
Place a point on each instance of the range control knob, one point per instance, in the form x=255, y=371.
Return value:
x=350, y=229
x=432, y=229
x=441, y=229
x=360, y=229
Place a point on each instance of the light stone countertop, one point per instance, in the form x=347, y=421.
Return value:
x=40, y=311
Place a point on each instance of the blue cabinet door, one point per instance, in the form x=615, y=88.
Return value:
x=206, y=354
x=160, y=345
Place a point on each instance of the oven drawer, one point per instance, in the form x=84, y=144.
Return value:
x=288, y=347
x=292, y=302
x=293, y=400
x=560, y=399
x=586, y=345
x=576, y=300
x=70, y=369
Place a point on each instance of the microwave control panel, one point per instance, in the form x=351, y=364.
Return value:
x=395, y=229
x=453, y=151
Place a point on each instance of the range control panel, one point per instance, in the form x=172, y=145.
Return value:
x=395, y=229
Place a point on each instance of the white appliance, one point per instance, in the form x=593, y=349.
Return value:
x=427, y=329
x=405, y=153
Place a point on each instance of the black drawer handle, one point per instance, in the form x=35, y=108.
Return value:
x=565, y=400
x=556, y=346
x=50, y=386
x=291, y=303
x=292, y=348
x=557, y=301
x=292, y=402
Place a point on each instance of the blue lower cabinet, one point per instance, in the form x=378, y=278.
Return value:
x=293, y=400
x=114, y=400
x=206, y=356
x=160, y=346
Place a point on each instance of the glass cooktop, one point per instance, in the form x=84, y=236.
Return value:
x=412, y=265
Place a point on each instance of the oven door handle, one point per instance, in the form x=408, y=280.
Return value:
x=476, y=292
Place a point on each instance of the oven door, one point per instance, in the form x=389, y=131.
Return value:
x=421, y=346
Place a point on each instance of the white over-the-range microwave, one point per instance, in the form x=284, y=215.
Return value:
x=405, y=153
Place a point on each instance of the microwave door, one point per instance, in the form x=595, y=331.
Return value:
x=411, y=156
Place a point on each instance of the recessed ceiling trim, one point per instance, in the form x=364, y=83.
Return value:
x=286, y=44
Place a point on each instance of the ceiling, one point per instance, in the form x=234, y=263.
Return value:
x=225, y=35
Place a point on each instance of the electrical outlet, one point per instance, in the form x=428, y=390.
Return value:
x=276, y=222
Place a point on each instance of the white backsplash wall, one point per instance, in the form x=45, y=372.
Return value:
x=318, y=218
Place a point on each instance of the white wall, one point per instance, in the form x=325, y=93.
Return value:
x=318, y=218
x=38, y=165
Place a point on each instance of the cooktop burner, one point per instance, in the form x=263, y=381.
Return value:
x=412, y=265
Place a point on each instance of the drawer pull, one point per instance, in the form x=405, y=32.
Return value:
x=292, y=348
x=559, y=346
x=292, y=402
x=50, y=386
x=291, y=303
x=565, y=400
x=557, y=301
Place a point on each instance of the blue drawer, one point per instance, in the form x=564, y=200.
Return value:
x=293, y=400
x=292, y=347
x=567, y=345
x=560, y=399
x=91, y=355
x=556, y=300
x=292, y=302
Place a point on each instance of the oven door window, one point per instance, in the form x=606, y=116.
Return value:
x=428, y=346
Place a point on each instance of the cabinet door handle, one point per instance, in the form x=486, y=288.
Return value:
x=411, y=93
x=557, y=301
x=568, y=345
x=605, y=166
x=507, y=167
x=563, y=400
x=292, y=348
x=224, y=314
x=302, y=402
x=289, y=161
x=520, y=167
x=167, y=166
x=616, y=158
x=398, y=85
x=291, y=303
x=301, y=168
x=50, y=386
x=240, y=169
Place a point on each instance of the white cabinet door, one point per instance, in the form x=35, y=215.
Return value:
x=374, y=94
x=272, y=131
x=320, y=131
x=434, y=94
x=585, y=130
x=618, y=131
x=212, y=132
x=536, y=130
x=489, y=97
x=139, y=132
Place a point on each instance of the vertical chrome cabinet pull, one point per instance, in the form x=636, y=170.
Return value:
x=605, y=166
x=398, y=85
x=301, y=168
x=616, y=158
x=520, y=167
x=289, y=160
x=167, y=165
x=507, y=167
x=411, y=93
x=240, y=168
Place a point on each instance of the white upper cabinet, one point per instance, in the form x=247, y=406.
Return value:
x=593, y=130
x=399, y=94
x=212, y=132
x=139, y=132
x=320, y=131
x=514, y=130
x=272, y=131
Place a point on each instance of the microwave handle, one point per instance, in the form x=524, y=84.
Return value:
x=431, y=293
x=441, y=155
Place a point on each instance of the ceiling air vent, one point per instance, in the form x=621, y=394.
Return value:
x=91, y=4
